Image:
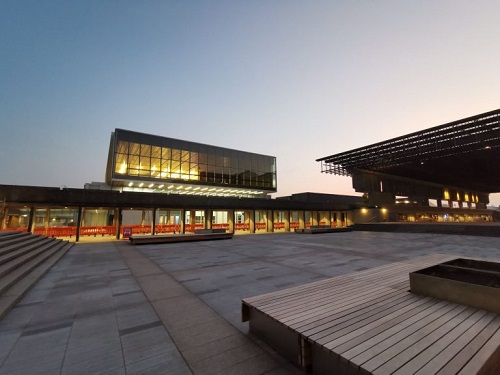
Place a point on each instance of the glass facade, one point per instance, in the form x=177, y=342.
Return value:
x=148, y=161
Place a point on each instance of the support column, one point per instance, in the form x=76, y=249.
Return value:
x=78, y=223
x=119, y=223
x=208, y=219
x=153, y=230
x=31, y=220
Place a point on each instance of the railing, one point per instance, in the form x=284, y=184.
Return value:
x=260, y=225
x=167, y=228
x=193, y=227
x=242, y=226
x=56, y=231
x=137, y=229
x=221, y=226
x=109, y=230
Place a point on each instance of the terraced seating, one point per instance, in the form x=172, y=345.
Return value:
x=24, y=259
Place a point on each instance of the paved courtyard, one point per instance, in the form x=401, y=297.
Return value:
x=115, y=308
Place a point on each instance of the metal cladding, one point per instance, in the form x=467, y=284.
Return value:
x=463, y=153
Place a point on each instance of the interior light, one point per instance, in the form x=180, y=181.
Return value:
x=161, y=186
x=170, y=187
x=130, y=184
x=151, y=185
x=141, y=184
x=188, y=187
x=179, y=187
x=197, y=188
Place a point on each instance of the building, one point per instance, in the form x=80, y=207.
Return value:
x=156, y=185
x=148, y=163
x=164, y=185
x=444, y=173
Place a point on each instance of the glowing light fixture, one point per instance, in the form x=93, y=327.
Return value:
x=130, y=184
x=151, y=185
x=141, y=184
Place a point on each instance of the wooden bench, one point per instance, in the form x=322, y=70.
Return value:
x=323, y=229
x=139, y=240
x=370, y=323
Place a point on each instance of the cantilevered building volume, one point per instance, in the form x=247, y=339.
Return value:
x=150, y=163
x=454, y=165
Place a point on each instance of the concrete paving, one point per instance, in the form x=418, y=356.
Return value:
x=114, y=308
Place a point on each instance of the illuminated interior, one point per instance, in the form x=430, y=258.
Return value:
x=181, y=167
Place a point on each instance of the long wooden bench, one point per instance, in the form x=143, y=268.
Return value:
x=370, y=323
x=139, y=240
x=323, y=229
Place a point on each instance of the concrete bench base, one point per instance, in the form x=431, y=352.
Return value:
x=138, y=240
x=315, y=230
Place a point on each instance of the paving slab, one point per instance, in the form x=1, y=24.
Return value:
x=175, y=308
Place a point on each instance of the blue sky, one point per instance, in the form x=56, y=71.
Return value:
x=295, y=79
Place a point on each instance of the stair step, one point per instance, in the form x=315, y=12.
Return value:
x=18, y=261
x=16, y=273
x=8, y=233
x=12, y=237
x=23, y=243
x=19, y=289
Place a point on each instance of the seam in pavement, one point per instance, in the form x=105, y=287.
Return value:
x=195, y=328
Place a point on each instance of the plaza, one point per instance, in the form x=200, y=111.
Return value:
x=115, y=308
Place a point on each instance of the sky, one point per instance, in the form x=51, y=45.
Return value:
x=294, y=79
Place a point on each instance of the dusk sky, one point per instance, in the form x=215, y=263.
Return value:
x=298, y=80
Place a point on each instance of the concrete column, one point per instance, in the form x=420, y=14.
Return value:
x=208, y=219
x=78, y=223
x=31, y=220
x=118, y=221
x=153, y=229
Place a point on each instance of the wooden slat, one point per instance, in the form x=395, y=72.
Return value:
x=442, y=360
x=464, y=355
x=372, y=324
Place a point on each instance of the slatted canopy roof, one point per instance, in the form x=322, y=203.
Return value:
x=463, y=153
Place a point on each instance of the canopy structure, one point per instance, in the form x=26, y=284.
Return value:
x=463, y=153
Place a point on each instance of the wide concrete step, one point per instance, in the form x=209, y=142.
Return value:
x=25, y=257
x=9, y=237
x=24, y=278
x=8, y=233
x=27, y=243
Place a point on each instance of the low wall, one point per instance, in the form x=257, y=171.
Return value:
x=471, y=229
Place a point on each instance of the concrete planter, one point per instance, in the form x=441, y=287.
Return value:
x=465, y=281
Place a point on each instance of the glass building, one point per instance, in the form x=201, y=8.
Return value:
x=149, y=163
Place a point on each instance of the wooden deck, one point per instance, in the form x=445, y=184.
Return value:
x=141, y=240
x=370, y=323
